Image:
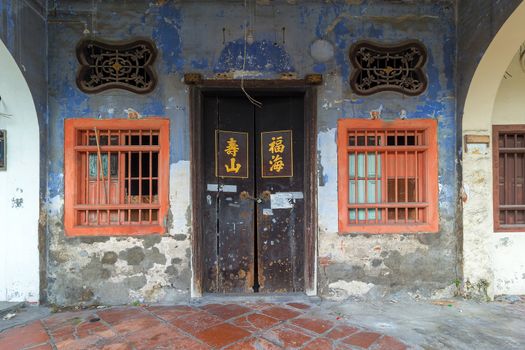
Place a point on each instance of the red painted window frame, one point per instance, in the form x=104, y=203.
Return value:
x=496, y=130
x=429, y=170
x=72, y=175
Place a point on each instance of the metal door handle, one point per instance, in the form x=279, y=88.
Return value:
x=244, y=195
x=266, y=195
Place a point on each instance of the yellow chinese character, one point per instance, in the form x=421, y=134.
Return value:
x=231, y=147
x=232, y=168
x=276, y=163
x=276, y=146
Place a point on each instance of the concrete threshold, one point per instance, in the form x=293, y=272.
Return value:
x=10, y=307
x=210, y=298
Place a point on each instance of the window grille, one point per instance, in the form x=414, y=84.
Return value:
x=509, y=170
x=116, y=176
x=108, y=65
x=387, y=176
x=382, y=67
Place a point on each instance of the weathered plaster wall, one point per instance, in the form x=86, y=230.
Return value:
x=487, y=256
x=23, y=89
x=189, y=36
x=506, y=249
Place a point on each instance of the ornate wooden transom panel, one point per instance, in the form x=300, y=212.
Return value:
x=380, y=67
x=108, y=65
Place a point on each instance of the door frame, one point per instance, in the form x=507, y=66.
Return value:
x=196, y=116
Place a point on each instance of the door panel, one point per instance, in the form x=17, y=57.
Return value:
x=281, y=231
x=228, y=221
x=250, y=244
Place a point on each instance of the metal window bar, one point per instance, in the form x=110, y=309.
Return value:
x=90, y=209
x=407, y=150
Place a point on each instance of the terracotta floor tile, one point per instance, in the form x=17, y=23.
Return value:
x=254, y=344
x=277, y=327
x=228, y=311
x=221, y=335
x=313, y=324
x=134, y=324
x=299, y=306
x=196, y=322
x=79, y=344
x=319, y=344
x=64, y=332
x=255, y=322
x=341, y=331
x=89, y=328
x=209, y=306
x=171, y=312
x=258, y=305
x=286, y=337
x=118, y=314
x=187, y=343
x=362, y=339
x=24, y=336
x=64, y=318
x=116, y=346
x=153, y=337
x=281, y=313
x=389, y=343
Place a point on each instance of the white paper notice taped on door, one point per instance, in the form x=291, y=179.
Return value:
x=222, y=188
x=284, y=200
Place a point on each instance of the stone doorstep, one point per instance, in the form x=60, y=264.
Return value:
x=9, y=307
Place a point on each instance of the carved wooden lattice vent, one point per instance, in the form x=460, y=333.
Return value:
x=380, y=67
x=106, y=65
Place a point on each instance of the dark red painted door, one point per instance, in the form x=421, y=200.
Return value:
x=253, y=205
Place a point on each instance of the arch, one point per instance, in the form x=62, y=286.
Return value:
x=485, y=258
x=484, y=85
x=19, y=186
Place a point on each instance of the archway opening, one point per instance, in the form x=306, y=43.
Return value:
x=19, y=186
x=486, y=252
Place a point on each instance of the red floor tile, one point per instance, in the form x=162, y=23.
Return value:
x=196, y=322
x=119, y=314
x=116, y=346
x=319, y=344
x=254, y=344
x=341, y=331
x=255, y=322
x=134, y=324
x=299, y=306
x=89, y=328
x=64, y=332
x=162, y=336
x=24, y=337
x=313, y=324
x=362, y=339
x=61, y=319
x=171, y=312
x=209, y=306
x=281, y=313
x=389, y=343
x=254, y=325
x=228, y=311
x=259, y=305
x=287, y=337
x=222, y=335
x=78, y=344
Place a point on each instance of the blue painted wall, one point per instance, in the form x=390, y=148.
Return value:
x=190, y=38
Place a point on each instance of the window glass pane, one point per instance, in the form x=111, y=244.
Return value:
x=94, y=161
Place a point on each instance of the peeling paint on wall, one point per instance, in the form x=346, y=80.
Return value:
x=190, y=37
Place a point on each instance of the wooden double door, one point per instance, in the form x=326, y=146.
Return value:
x=253, y=205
